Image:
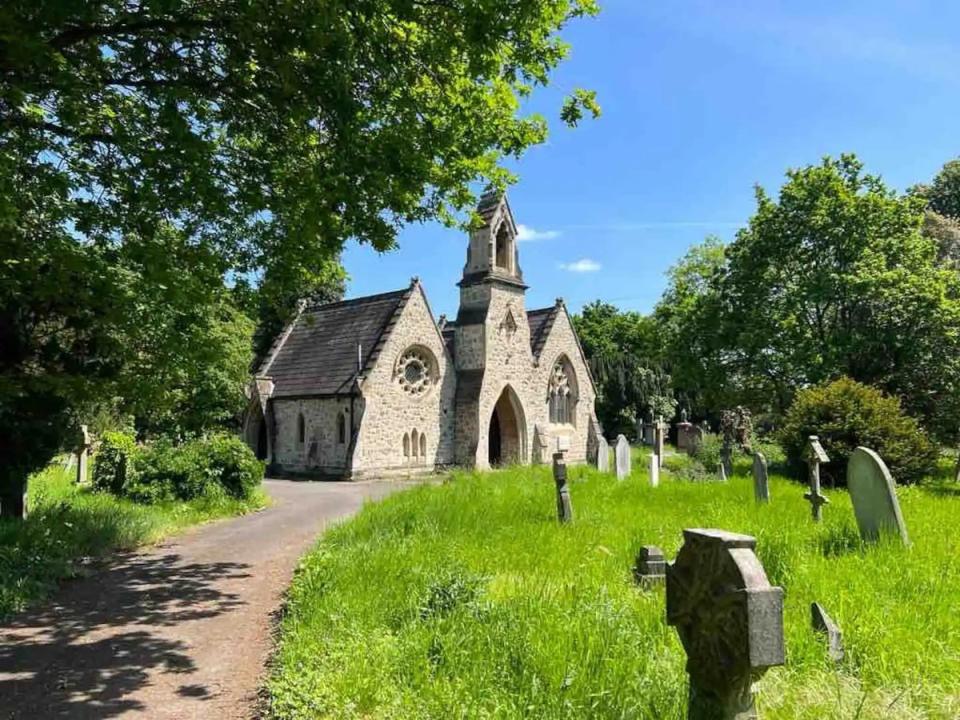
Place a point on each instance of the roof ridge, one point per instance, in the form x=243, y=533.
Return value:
x=357, y=300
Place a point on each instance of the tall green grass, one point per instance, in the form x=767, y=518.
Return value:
x=469, y=600
x=68, y=524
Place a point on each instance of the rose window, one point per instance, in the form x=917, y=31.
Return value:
x=415, y=371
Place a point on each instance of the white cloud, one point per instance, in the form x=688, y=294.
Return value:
x=526, y=233
x=583, y=265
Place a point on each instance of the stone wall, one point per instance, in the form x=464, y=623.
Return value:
x=391, y=412
x=321, y=452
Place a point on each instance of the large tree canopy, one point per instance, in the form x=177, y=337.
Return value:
x=227, y=140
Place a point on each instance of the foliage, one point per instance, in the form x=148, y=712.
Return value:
x=944, y=192
x=161, y=471
x=846, y=414
x=151, y=151
x=620, y=347
x=556, y=628
x=68, y=526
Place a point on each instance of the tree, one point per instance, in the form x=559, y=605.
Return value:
x=265, y=134
x=834, y=278
x=620, y=347
x=944, y=192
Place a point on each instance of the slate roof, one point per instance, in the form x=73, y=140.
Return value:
x=317, y=355
x=541, y=322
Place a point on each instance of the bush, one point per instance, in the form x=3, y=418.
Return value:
x=227, y=461
x=846, y=414
x=114, y=462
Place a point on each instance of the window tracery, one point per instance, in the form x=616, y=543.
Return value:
x=416, y=371
x=562, y=396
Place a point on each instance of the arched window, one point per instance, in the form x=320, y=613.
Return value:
x=341, y=429
x=406, y=446
x=562, y=393
x=414, y=443
x=504, y=248
x=423, y=447
x=301, y=429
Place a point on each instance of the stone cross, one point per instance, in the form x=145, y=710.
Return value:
x=654, y=470
x=603, y=454
x=650, y=567
x=729, y=619
x=761, y=484
x=823, y=623
x=564, y=508
x=815, y=456
x=874, y=497
x=622, y=453
x=83, y=456
x=658, y=433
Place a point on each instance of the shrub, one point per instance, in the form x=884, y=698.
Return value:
x=846, y=414
x=227, y=461
x=115, y=462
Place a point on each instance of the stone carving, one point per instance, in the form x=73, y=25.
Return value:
x=83, y=456
x=815, y=456
x=603, y=454
x=729, y=619
x=650, y=567
x=823, y=623
x=654, y=470
x=761, y=483
x=564, y=508
x=622, y=453
x=683, y=415
x=874, y=497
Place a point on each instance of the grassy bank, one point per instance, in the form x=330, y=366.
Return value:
x=468, y=600
x=67, y=525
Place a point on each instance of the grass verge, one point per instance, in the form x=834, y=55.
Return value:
x=468, y=600
x=68, y=524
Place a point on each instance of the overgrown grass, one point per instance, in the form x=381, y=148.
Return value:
x=469, y=600
x=67, y=525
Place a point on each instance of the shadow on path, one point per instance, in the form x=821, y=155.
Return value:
x=89, y=652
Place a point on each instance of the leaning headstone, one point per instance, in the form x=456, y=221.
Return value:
x=622, y=453
x=83, y=455
x=874, y=496
x=823, y=623
x=564, y=508
x=815, y=456
x=721, y=472
x=729, y=619
x=603, y=454
x=650, y=567
x=761, y=483
x=654, y=470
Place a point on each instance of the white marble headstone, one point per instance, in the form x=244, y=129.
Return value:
x=874, y=496
x=622, y=457
x=603, y=454
x=654, y=470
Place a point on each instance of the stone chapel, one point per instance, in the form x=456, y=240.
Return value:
x=375, y=387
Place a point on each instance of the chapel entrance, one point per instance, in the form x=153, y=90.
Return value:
x=506, y=435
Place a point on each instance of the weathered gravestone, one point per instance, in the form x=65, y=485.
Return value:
x=650, y=567
x=564, y=508
x=815, y=456
x=874, y=496
x=659, y=431
x=83, y=456
x=824, y=624
x=603, y=454
x=729, y=619
x=654, y=470
x=622, y=457
x=721, y=472
x=761, y=482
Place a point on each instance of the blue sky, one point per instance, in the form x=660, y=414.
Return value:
x=701, y=100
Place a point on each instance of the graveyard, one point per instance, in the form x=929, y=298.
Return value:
x=470, y=598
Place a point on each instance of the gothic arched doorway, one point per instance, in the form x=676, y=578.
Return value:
x=507, y=432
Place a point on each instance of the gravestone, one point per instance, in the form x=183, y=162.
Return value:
x=654, y=470
x=83, y=456
x=603, y=454
x=622, y=457
x=761, y=483
x=650, y=567
x=874, y=496
x=815, y=456
x=659, y=431
x=564, y=508
x=823, y=623
x=729, y=619
x=721, y=472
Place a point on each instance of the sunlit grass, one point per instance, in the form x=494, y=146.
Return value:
x=67, y=524
x=469, y=600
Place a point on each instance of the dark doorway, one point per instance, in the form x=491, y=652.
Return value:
x=495, y=449
x=262, y=440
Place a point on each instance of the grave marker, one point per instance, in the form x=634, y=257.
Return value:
x=823, y=623
x=658, y=433
x=83, y=455
x=622, y=453
x=874, y=496
x=815, y=456
x=564, y=508
x=729, y=619
x=603, y=454
x=650, y=567
x=654, y=470
x=761, y=482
